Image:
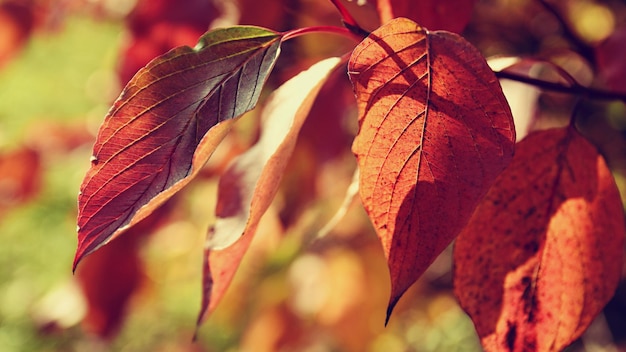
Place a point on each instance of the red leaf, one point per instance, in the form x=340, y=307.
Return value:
x=542, y=254
x=248, y=187
x=165, y=125
x=435, y=131
x=450, y=15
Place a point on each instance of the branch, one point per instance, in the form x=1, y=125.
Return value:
x=575, y=89
x=346, y=32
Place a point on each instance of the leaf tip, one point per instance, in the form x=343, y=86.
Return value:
x=81, y=252
x=75, y=264
x=194, y=339
x=77, y=259
x=390, y=307
x=201, y=317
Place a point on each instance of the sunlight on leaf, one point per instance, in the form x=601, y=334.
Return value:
x=435, y=131
x=542, y=254
x=165, y=125
x=249, y=185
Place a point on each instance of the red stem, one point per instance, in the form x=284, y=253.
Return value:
x=349, y=21
x=345, y=14
x=321, y=29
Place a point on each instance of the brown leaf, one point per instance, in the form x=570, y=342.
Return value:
x=249, y=185
x=542, y=254
x=165, y=125
x=435, y=131
x=450, y=15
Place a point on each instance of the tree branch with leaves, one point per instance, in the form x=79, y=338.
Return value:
x=539, y=225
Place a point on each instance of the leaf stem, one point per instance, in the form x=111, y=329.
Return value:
x=576, y=89
x=321, y=29
x=348, y=21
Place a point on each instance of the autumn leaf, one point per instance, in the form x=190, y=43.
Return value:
x=248, y=187
x=435, y=131
x=165, y=125
x=542, y=254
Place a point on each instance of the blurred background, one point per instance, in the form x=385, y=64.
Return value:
x=62, y=63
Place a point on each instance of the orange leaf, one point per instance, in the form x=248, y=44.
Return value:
x=165, y=125
x=248, y=187
x=435, y=131
x=542, y=254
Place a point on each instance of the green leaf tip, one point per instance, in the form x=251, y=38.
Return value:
x=221, y=35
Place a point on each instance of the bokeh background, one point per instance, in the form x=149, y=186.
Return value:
x=62, y=63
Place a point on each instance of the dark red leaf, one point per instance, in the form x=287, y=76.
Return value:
x=543, y=251
x=435, y=131
x=164, y=126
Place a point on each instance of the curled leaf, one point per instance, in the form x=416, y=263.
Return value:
x=542, y=254
x=435, y=131
x=248, y=187
x=165, y=125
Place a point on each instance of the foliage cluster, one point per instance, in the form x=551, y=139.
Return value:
x=528, y=196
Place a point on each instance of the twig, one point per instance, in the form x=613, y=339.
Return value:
x=576, y=89
x=346, y=32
